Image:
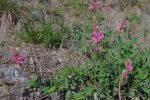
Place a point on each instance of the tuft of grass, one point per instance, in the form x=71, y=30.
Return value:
x=8, y=6
x=134, y=18
x=48, y=33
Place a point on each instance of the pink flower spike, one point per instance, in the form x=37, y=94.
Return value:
x=128, y=65
x=100, y=36
x=124, y=73
x=93, y=5
x=97, y=2
x=95, y=38
x=17, y=58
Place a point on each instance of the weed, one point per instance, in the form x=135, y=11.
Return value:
x=8, y=6
x=50, y=32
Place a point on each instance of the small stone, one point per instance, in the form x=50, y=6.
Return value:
x=60, y=60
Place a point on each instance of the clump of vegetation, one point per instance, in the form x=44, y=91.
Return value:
x=99, y=78
x=8, y=6
x=109, y=54
x=50, y=32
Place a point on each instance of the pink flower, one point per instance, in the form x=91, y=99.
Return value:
x=128, y=65
x=17, y=58
x=96, y=37
x=121, y=26
x=93, y=5
x=100, y=36
x=93, y=39
x=124, y=73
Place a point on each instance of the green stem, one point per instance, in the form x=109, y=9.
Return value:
x=120, y=87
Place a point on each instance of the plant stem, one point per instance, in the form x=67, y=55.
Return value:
x=120, y=87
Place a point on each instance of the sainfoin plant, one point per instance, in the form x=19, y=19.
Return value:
x=124, y=74
x=17, y=57
x=96, y=36
x=117, y=60
x=93, y=4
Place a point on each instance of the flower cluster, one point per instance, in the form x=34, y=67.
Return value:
x=93, y=5
x=17, y=57
x=128, y=65
x=96, y=35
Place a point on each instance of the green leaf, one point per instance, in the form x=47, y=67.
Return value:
x=34, y=78
x=78, y=96
x=68, y=95
x=32, y=82
x=147, y=91
x=52, y=89
x=84, y=48
x=145, y=74
x=88, y=91
x=44, y=89
x=65, y=71
x=73, y=87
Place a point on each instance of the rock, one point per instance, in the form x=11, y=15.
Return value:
x=12, y=82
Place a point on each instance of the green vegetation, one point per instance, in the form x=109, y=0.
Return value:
x=50, y=32
x=8, y=6
x=97, y=79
